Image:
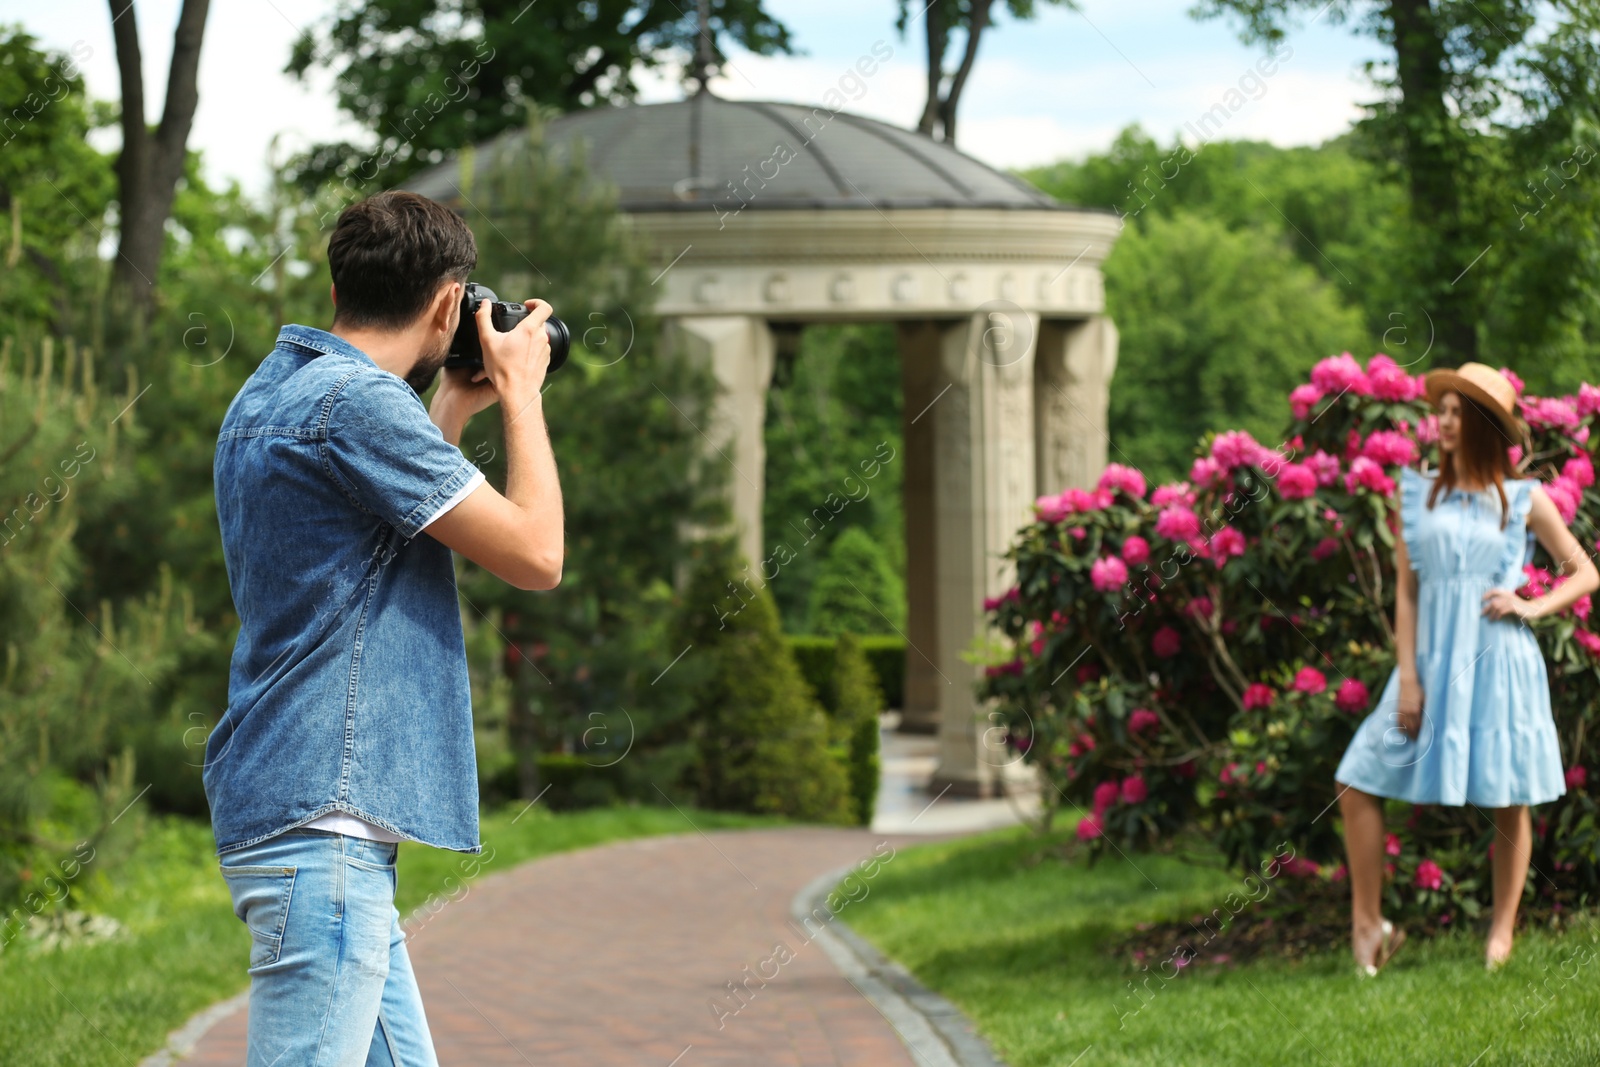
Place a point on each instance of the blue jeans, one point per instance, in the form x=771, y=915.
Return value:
x=330, y=981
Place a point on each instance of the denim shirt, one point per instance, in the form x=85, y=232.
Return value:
x=348, y=687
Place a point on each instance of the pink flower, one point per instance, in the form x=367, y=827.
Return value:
x=1173, y=493
x=1134, y=790
x=1013, y=667
x=1236, y=448
x=1368, y=475
x=1428, y=876
x=1227, y=775
x=1336, y=374
x=1389, y=448
x=1577, y=777
x=1207, y=473
x=1258, y=695
x=1135, y=551
x=1226, y=542
x=1428, y=430
x=1326, y=466
x=1352, y=695
x=1302, y=399
x=1105, y=795
x=993, y=602
x=1583, y=606
x=1390, y=382
x=1300, y=867
x=1078, y=533
x=1588, y=399
x=1166, y=643
x=1089, y=828
x=1177, y=523
x=1391, y=844
x=1579, y=469
x=1326, y=547
x=1539, y=580
x=1340, y=873
x=1296, y=481
x=1050, y=508
x=1108, y=573
x=1509, y=376
x=1514, y=455
x=1590, y=641
x=1550, y=413
x=1310, y=680
x=1199, y=608
x=1142, y=719
x=1081, y=744
x=1565, y=495
x=1118, y=477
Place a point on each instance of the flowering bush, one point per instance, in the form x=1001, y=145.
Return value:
x=1199, y=656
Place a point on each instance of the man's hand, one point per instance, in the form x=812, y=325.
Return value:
x=462, y=393
x=515, y=362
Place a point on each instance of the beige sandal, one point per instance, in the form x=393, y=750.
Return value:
x=1393, y=937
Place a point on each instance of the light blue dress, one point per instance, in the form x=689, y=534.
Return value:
x=1488, y=737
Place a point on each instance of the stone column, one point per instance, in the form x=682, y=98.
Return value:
x=982, y=410
x=920, y=382
x=739, y=351
x=1073, y=390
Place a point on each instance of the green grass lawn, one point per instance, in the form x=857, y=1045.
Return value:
x=113, y=1002
x=1019, y=947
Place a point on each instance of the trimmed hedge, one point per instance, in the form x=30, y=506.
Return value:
x=855, y=724
x=885, y=653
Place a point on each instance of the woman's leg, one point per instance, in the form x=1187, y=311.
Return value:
x=1513, y=848
x=1363, y=848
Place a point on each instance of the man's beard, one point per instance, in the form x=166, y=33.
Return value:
x=426, y=369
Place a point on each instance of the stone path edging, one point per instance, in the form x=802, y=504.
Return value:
x=933, y=1030
x=182, y=1041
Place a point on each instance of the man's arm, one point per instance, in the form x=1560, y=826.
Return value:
x=519, y=536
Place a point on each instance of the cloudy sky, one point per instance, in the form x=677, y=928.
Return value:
x=1058, y=87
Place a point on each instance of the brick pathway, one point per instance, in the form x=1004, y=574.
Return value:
x=612, y=956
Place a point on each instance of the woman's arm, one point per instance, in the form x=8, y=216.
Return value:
x=1405, y=640
x=1582, y=578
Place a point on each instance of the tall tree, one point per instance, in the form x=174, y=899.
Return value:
x=152, y=162
x=942, y=19
x=429, y=76
x=1459, y=69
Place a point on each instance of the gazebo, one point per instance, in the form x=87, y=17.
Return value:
x=768, y=216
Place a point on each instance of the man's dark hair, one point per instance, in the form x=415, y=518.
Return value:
x=390, y=253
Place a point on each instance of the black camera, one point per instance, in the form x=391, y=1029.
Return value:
x=466, y=350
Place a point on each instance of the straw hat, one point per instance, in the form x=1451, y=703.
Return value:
x=1485, y=385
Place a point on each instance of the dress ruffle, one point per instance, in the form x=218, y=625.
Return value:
x=1519, y=497
x=1414, y=486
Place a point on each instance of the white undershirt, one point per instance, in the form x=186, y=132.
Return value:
x=341, y=822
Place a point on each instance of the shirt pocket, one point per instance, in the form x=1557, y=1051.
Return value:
x=261, y=901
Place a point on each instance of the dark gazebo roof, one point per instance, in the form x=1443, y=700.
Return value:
x=684, y=155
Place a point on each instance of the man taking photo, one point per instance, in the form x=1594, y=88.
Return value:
x=349, y=721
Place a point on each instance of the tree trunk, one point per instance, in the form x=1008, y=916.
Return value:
x=1428, y=133
x=952, y=99
x=933, y=23
x=150, y=164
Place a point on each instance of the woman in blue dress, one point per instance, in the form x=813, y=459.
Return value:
x=1465, y=717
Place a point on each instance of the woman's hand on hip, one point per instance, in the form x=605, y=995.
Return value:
x=1505, y=604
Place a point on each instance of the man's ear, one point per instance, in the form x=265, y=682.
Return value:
x=445, y=301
